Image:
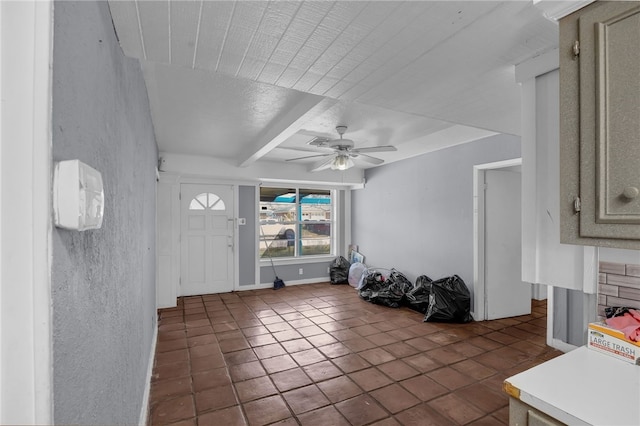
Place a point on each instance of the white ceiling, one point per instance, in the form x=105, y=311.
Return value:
x=250, y=81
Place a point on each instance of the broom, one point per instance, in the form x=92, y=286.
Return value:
x=277, y=283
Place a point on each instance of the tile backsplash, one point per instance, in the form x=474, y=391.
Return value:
x=618, y=285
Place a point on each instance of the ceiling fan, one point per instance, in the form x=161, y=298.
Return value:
x=343, y=152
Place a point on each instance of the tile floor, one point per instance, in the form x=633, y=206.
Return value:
x=319, y=355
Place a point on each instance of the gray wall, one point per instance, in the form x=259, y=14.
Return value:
x=247, y=235
x=103, y=281
x=416, y=215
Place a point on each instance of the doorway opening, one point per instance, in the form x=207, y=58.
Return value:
x=499, y=291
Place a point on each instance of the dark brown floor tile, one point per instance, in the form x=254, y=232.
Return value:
x=334, y=350
x=261, y=340
x=502, y=338
x=172, y=356
x=227, y=416
x=171, y=345
x=240, y=357
x=322, y=371
x=395, y=398
x=211, y=379
x=215, y=399
x=473, y=369
x=296, y=345
x=321, y=339
x=422, y=362
x=456, y=408
x=245, y=371
x=366, y=330
x=382, y=339
x=266, y=410
x=188, y=422
x=257, y=388
x=232, y=345
x=398, y=370
x=305, y=399
x=351, y=363
x=171, y=371
x=370, y=379
x=228, y=335
x=171, y=335
x=484, y=343
x=442, y=338
x=400, y=350
x=450, y=378
x=308, y=357
x=204, y=350
x=359, y=344
x=339, y=388
x=283, y=336
x=290, y=379
x=200, y=340
x=361, y=410
x=501, y=416
x=389, y=421
x=423, y=388
x=323, y=417
x=173, y=410
x=422, y=344
x=423, y=415
x=312, y=330
x=377, y=356
x=278, y=363
x=167, y=389
x=269, y=351
x=449, y=364
x=486, y=399
x=193, y=321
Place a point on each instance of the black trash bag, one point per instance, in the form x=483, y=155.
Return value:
x=387, y=291
x=449, y=301
x=339, y=271
x=418, y=297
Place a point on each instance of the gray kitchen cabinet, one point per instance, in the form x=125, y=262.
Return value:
x=600, y=125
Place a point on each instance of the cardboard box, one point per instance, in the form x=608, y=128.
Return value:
x=605, y=339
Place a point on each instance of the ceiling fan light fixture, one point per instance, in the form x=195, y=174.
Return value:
x=342, y=162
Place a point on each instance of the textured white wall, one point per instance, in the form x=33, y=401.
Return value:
x=103, y=281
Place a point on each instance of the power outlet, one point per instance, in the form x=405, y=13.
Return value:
x=328, y=269
x=300, y=271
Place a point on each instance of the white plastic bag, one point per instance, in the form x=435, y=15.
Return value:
x=356, y=271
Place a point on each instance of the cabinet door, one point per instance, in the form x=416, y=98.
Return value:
x=605, y=119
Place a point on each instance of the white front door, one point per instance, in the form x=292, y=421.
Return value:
x=506, y=295
x=207, y=239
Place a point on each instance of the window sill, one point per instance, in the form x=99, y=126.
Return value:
x=297, y=260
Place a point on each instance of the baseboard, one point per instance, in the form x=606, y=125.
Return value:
x=297, y=282
x=562, y=346
x=144, y=410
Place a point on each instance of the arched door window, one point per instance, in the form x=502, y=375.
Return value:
x=207, y=201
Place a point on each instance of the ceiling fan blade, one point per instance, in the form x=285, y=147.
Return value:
x=369, y=159
x=385, y=148
x=308, y=156
x=323, y=164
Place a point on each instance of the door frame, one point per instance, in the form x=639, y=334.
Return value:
x=234, y=216
x=26, y=371
x=479, y=311
x=178, y=223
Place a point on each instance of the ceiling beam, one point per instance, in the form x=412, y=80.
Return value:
x=286, y=126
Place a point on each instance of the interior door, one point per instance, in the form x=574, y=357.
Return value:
x=506, y=295
x=207, y=239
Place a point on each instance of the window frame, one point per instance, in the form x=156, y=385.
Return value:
x=299, y=223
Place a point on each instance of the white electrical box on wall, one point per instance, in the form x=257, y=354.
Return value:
x=78, y=197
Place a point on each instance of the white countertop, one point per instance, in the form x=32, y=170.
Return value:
x=582, y=387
